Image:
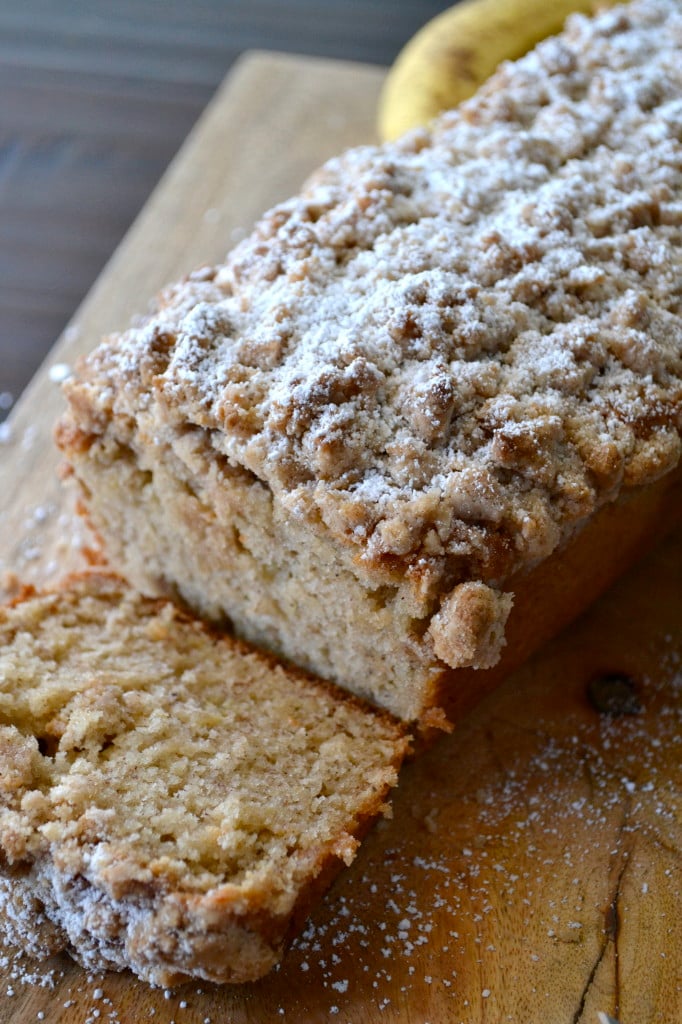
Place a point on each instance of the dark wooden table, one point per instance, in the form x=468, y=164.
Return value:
x=95, y=98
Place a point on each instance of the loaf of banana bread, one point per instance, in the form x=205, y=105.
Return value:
x=438, y=384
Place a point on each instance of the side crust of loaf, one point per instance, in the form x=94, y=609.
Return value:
x=170, y=801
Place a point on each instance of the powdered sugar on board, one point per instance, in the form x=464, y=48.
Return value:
x=42, y=538
x=571, y=841
x=53, y=541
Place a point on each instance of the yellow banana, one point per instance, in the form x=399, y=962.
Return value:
x=454, y=53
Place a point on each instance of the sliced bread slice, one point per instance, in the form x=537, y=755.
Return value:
x=171, y=801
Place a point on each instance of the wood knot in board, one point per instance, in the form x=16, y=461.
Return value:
x=614, y=693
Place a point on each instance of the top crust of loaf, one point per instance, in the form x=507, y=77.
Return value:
x=449, y=351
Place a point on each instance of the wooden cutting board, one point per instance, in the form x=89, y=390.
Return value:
x=531, y=872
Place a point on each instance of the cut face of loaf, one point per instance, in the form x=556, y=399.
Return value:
x=417, y=383
x=170, y=801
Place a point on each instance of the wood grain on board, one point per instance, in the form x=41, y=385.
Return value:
x=531, y=871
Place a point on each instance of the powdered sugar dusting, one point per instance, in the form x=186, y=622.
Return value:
x=455, y=347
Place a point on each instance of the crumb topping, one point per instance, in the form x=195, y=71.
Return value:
x=450, y=350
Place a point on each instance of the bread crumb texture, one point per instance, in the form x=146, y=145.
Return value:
x=168, y=799
x=450, y=350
